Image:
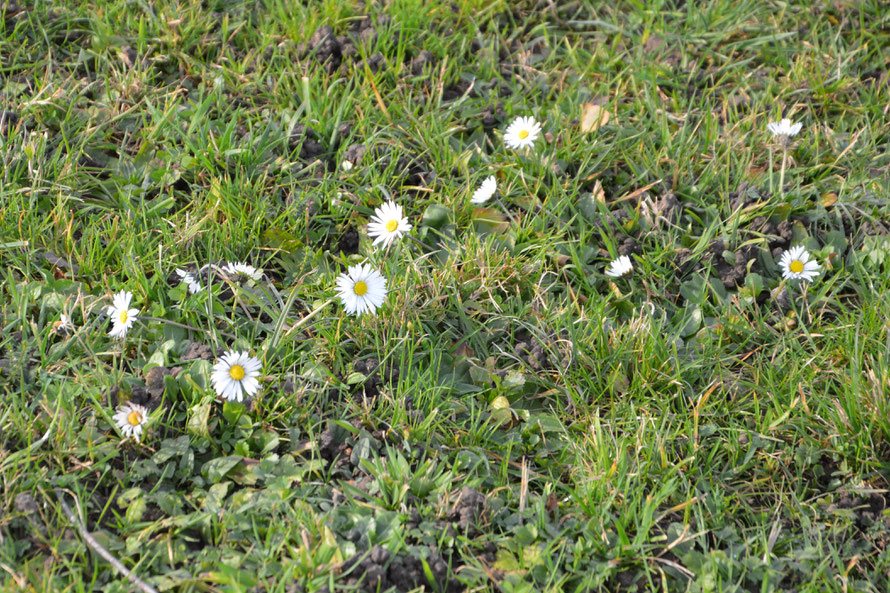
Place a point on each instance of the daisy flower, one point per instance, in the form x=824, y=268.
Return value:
x=131, y=420
x=362, y=289
x=387, y=224
x=235, y=375
x=123, y=316
x=784, y=128
x=796, y=264
x=194, y=286
x=485, y=191
x=619, y=267
x=522, y=132
x=241, y=270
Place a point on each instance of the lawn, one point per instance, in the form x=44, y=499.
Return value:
x=645, y=347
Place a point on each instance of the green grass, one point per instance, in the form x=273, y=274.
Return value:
x=663, y=431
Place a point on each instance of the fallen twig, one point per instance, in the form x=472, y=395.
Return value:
x=91, y=541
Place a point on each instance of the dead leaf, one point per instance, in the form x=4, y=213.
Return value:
x=593, y=116
x=756, y=171
x=59, y=262
x=489, y=220
x=552, y=503
x=463, y=349
x=154, y=379
x=598, y=192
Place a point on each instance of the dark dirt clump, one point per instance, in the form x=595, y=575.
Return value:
x=332, y=51
x=746, y=195
x=668, y=207
x=457, y=90
x=7, y=119
x=627, y=578
x=379, y=571
x=140, y=395
x=493, y=115
x=154, y=382
x=330, y=447
x=197, y=351
x=289, y=386
x=469, y=508
x=367, y=571
x=349, y=242
x=630, y=247
x=781, y=300
x=868, y=507
x=411, y=172
x=344, y=131
x=376, y=376
x=324, y=48
x=354, y=154
x=731, y=273
x=530, y=350
x=423, y=60
x=308, y=141
x=407, y=573
x=25, y=503
x=778, y=235
x=375, y=62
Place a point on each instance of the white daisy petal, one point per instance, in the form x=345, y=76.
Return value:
x=131, y=419
x=122, y=316
x=797, y=265
x=251, y=386
x=193, y=283
x=784, y=128
x=388, y=224
x=522, y=132
x=619, y=267
x=240, y=272
x=485, y=191
x=236, y=373
x=361, y=289
x=122, y=300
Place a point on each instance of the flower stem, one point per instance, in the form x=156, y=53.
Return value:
x=184, y=326
x=771, y=169
x=308, y=316
x=782, y=173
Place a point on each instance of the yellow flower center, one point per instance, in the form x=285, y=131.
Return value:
x=392, y=225
x=523, y=134
x=123, y=316
x=134, y=418
x=360, y=288
x=236, y=372
x=796, y=266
